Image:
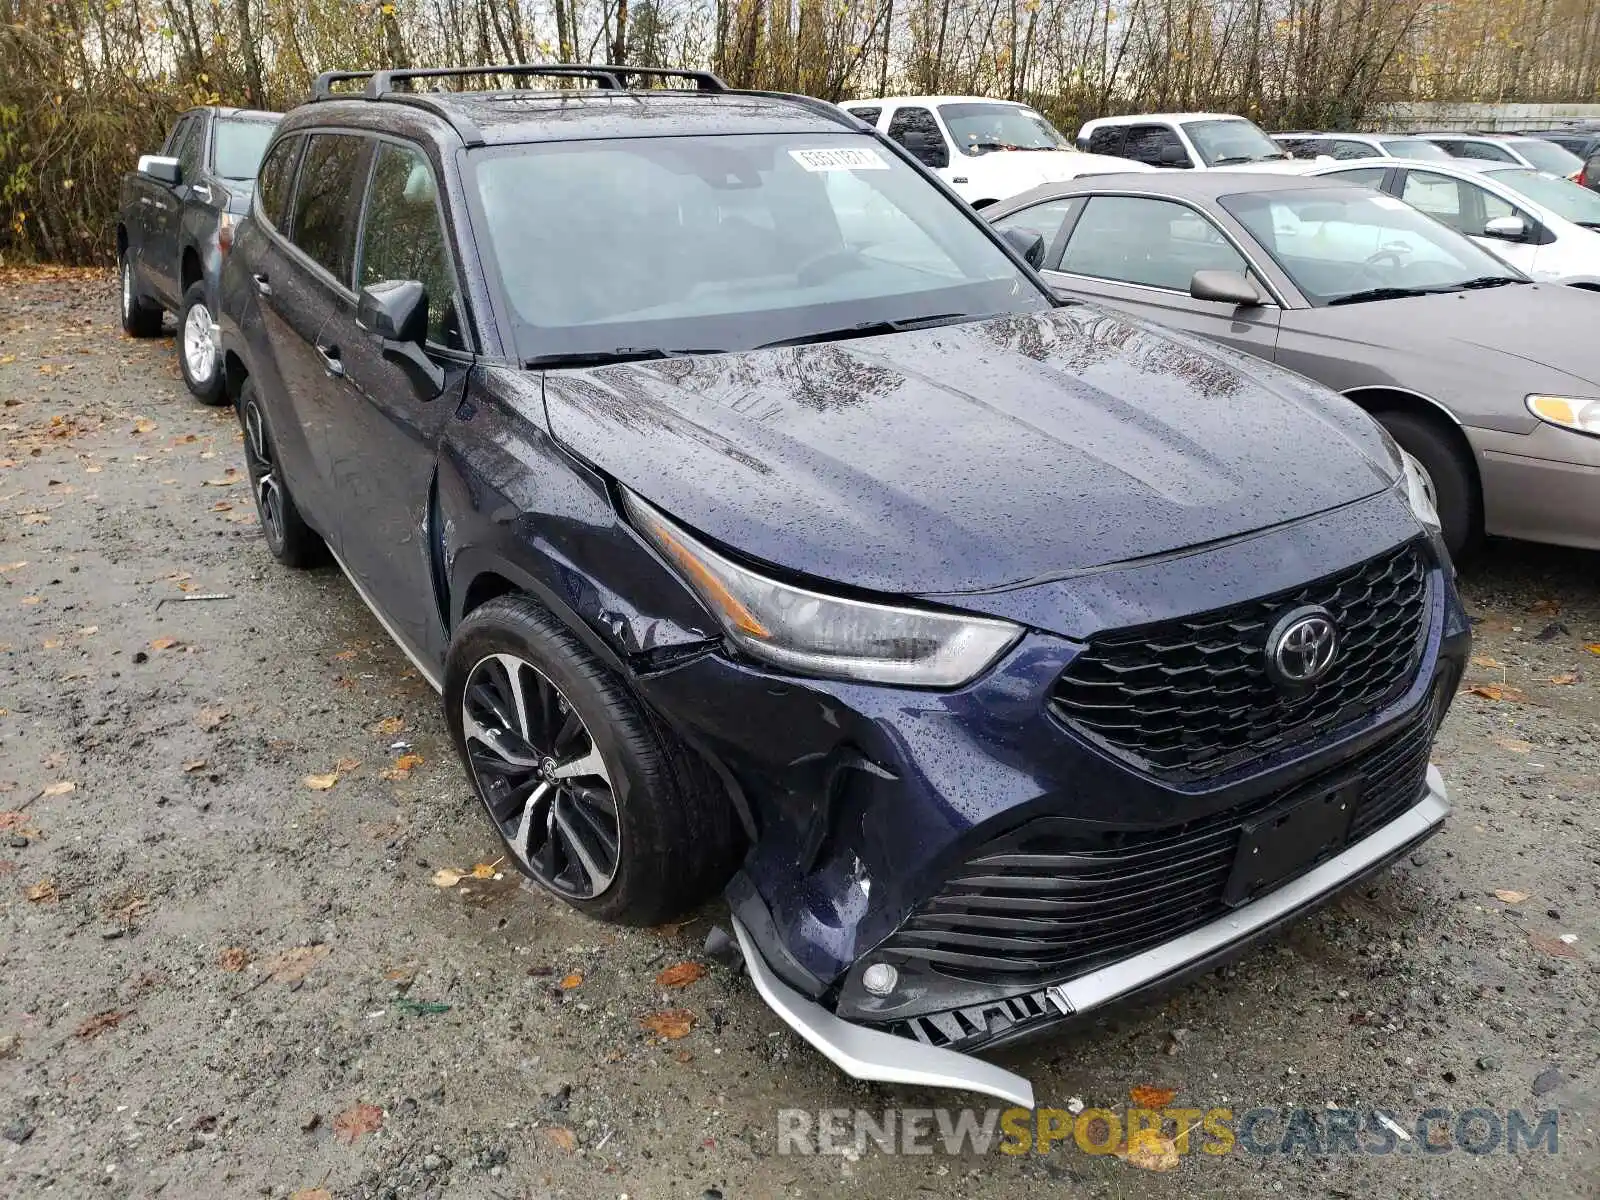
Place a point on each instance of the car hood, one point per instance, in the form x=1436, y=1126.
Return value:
x=1532, y=331
x=973, y=456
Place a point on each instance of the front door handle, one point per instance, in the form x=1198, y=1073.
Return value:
x=331, y=362
x=262, y=285
x=202, y=187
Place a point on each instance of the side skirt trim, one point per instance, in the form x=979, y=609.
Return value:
x=416, y=661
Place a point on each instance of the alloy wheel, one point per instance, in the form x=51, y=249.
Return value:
x=263, y=472
x=199, y=351
x=542, y=777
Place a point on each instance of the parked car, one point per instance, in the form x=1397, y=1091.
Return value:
x=766, y=523
x=1481, y=375
x=1344, y=146
x=1581, y=140
x=1201, y=141
x=175, y=224
x=1535, y=152
x=984, y=149
x=1545, y=226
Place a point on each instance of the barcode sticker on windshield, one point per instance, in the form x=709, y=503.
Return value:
x=862, y=158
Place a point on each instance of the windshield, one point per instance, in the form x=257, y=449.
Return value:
x=1419, y=148
x=1339, y=244
x=981, y=128
x=729, y=243
x=239, y=146
x=1548, y=156
x=1223, y=143
x=1555, y=192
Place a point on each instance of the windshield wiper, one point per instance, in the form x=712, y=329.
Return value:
x=1588, y=224
x=1489, y=281
x=1385, y=293
x=603, y=358
x=874, y=329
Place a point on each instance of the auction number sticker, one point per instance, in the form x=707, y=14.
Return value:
x=852, y=158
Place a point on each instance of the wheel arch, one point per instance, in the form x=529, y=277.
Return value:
x=1378, y=400
x=122, y=239
x=234, y=373
x=190, y=270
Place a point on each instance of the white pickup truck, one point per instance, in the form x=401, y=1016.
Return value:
x=986, y=150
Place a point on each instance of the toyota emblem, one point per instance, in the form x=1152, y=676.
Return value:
x=1302, y=645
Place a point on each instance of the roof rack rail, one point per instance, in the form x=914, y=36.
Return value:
x=822, y=108
x=322, y=88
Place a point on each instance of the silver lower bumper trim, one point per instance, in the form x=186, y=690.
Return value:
x=870, y=1054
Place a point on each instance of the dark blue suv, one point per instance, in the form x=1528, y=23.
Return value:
x=769, y=526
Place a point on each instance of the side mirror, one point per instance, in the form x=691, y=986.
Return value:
x=1027, y=243
x=1225, y=287
x=1173, y=156
x=161, y=168
x=1507, y=229
x=395, y=312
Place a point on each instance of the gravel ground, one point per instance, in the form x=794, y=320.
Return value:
x=224, y=953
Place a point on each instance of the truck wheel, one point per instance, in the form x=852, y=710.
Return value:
x=291, y=540
x=197, y=348
x=596, y=800
x=140, y=318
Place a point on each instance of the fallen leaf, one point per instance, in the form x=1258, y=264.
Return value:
x=1593, y=647
x=668, y=928
x=233, y=958
x=295, y=963
x=1565, y=679
x=1515, y=745
x=29, y=600
x=1498, y=691
x=52, y=643
x=185, y=439
x=221, y=506
x=5, y=568
x=1510, y=896
x=345, y=655
x=1146, y=1096
x=681, y=975
x=400, y=974
x=230, y=478
x=11, y=820
x=100, y=1022
x=389, y=726
x=571, y=981
x=1552, y=945
x=349, y=1125
x=407, y=761
x=345, y=765
x=561, y=1138
x=164, y=643
x=484, y=870
x=89, y=631
x=194, y=765
x=1150, y=1151
x=321, y=783
x=209, y=718
x=1485, y=662
x=1545, y=608
x=60, y=789
x=44, y=892
x=143, y=426
x=672, y=1024
x=447, y=877
x=36, y=519
x=7, y=359
x=311, y=1194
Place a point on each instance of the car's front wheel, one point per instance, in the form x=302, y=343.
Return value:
x=197, y=348
x=140, y=318
x=596, y=800
x=1449, y=477
x=291, y=540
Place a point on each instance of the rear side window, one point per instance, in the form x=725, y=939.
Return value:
x=1106, y=140
x=402, y=237
x=327, y=198
x=187, y=146
x=1345, y=148
x=869, y=115
x=1371, y=177
x=1484, y=150
x=1148, y=144
x=931, y=150
x=277, y=178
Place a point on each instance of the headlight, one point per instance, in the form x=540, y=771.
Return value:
x=1583, y=416
x=1419, y=491
x=814, y=634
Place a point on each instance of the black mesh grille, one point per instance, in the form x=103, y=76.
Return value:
x=1190, y=698
x=1046, y=902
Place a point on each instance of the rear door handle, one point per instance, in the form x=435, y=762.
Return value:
x=262, y=285
x=330, y=361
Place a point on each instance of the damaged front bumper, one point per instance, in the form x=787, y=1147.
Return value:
x=872, y=1054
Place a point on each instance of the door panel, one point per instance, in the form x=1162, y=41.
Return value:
x=391, y=418
x=160, y=259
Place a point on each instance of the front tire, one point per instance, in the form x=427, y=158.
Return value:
x=596, y=800
x=197, y=349
x=140, y=318
x=291, y=540
x=1455, y=485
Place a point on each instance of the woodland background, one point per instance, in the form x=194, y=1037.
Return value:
x=86, y=85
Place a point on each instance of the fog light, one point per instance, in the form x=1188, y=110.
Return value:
x=880, y=979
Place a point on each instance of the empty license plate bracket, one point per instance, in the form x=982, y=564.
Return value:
x=1289, y=839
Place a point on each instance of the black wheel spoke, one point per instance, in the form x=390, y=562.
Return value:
x=542, y=776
